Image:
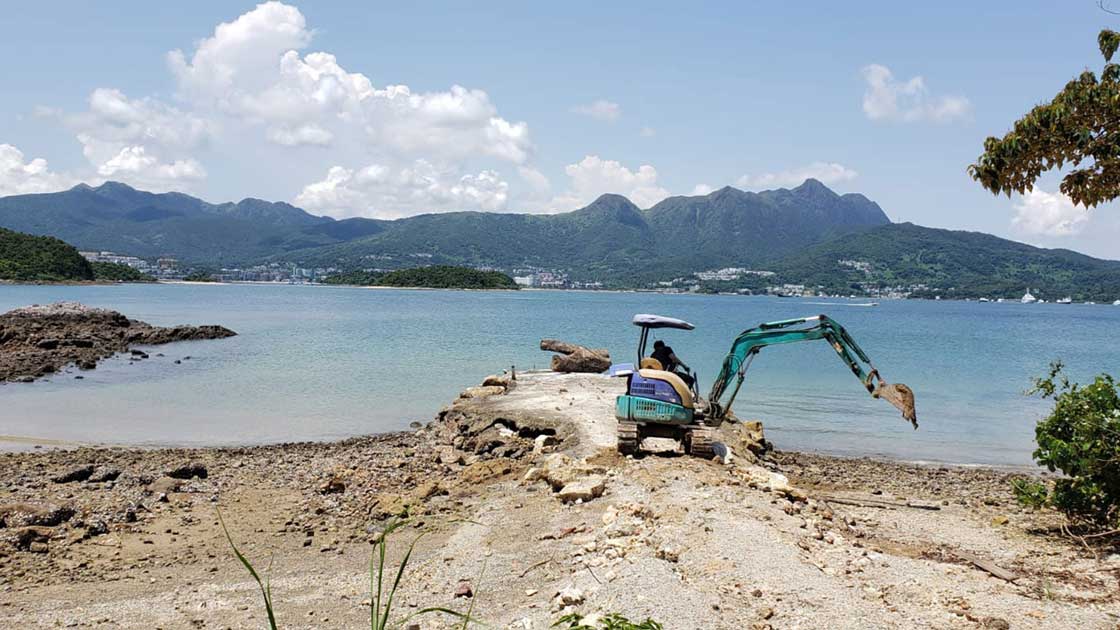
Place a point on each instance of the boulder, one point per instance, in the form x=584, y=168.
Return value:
x=448, y=455
x=497, y=380
x=485, y=470
x=428, y=490
x=334, y=485
x=581, y=360
x=164, y=485
x=102, y=474
x=32, y=514
x=559, y=470
x=583, y=490
x=80, y=473
x=484, y=391
x=25, y=537
x=387, y=505
x=188, y=471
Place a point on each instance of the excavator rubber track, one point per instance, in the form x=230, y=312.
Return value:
x=701, y=441
x=628, y=438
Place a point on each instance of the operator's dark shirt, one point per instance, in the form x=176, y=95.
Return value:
x=664, y=354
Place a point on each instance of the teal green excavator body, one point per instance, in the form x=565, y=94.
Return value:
x=658, y=403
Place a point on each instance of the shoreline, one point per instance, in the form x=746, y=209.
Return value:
x=32, y=442
x=523, y=476
x=1013, y=301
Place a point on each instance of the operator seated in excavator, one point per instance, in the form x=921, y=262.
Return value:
x=669, y=361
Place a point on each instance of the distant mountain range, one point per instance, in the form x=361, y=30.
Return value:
x=117, y=217
x=801, y=233
x=610, y=236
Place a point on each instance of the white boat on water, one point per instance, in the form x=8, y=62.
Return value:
x=1028, y=298
x=1116, y=303
x=1065, y=300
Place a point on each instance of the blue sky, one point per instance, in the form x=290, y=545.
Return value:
x=559, y=102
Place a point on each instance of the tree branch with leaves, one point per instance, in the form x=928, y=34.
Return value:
x=1079, y=127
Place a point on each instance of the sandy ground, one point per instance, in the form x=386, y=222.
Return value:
x=694, y=544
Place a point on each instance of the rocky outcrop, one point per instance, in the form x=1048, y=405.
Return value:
x=40, y=340
x=576, y=358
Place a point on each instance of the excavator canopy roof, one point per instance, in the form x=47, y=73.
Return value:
x=646, y=320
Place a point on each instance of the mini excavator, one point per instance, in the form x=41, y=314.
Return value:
x=659, y=403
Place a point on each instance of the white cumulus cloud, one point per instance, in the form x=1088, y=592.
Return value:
x=143, y=142
x=251, y=69
x=593, y=176
x=18, y=177
x=135, y=166
x=600, y=110
x=1048, y=214
x=889, y=99
x=825, y=172
x=387, y=193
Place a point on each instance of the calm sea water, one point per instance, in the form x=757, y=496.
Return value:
x=319, y=363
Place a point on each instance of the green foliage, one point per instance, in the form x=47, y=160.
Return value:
x=433, y=277
x=27, y=258
x=1080, y=438
x=381, y=591
x=615, y=242
x=972, y=264
x=115, y=272
x=264, y=586
x=200, y=276
x=1078, y=127
x=613, y=621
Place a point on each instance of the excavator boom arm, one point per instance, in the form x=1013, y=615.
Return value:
x=751, y=341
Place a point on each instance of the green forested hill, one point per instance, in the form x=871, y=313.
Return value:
x=963, y=264
x=611, y=239
x=27, y=258
x=117, y=217
x=433, y=277
x=800, y=233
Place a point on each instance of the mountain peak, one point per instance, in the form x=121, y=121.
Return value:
x=612, y=200
x=814, y=187
x=112, y=186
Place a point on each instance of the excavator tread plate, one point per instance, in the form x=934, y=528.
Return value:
x=701, y=441
x=628, y=438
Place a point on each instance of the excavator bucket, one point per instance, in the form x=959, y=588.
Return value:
x=901, y=396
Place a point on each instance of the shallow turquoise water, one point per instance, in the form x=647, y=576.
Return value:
x=316, y=363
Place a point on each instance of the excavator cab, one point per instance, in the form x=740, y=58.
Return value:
x=658, y=403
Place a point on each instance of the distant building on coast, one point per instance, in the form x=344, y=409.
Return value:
x=120, y=259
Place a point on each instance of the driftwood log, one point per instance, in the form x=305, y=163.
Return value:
x=576, y=358
x=563, y=347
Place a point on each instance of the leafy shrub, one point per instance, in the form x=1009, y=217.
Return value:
x=1080, y=438
x=115, y=272
x=613, y=621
